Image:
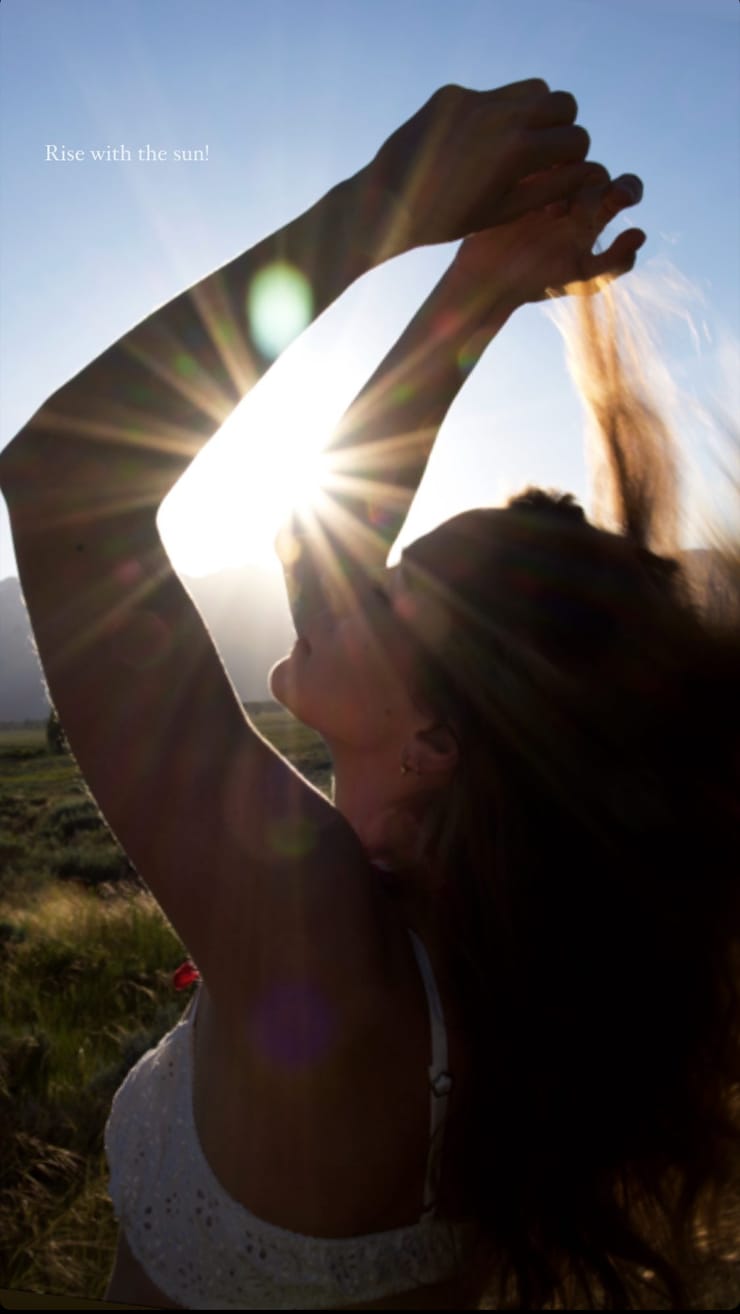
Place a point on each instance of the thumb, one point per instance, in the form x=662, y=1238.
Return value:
x=619, y=257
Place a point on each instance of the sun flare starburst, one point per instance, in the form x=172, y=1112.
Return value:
x=265, y=462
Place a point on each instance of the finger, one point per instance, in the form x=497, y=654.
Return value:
x=605, y=202
x=522, y=90
x=600, y=199
x=624, y=191
x=558, y=107
x=551, y=186
x=550, y=146
x=556, y=209
x=597, y=175
x=619, y=258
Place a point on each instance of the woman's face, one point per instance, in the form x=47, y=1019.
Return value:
x=351, y=672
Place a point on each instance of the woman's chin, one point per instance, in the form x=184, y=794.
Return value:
x=283, y=686
x=281, y=683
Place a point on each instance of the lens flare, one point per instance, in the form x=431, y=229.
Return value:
x=293, y=1026
x=279, y=306
x=292, y=837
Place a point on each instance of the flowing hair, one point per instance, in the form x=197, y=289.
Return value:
x=589, y=855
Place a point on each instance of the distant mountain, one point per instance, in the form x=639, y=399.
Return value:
x=22, y=693
x=245, y=610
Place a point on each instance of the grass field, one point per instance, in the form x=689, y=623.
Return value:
x=86, y=963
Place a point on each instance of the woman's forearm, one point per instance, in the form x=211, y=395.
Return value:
x=137, y=415
x=380, y=450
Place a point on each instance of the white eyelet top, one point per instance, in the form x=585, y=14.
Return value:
x=205, y=1250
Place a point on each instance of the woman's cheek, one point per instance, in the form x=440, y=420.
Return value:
x=358, y=646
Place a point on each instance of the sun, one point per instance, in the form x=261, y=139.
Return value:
x=266, y=460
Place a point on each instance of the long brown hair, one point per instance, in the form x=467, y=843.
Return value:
x=590, y=850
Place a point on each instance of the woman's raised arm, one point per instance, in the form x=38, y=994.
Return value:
x=255, y=869
x=381, y=448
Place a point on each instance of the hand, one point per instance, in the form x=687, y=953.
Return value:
x=470, y=159
x=549, y=252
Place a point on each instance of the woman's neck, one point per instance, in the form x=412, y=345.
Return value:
x=371, y=794
x=389, y=819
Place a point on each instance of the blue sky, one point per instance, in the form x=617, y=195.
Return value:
x=290, y=97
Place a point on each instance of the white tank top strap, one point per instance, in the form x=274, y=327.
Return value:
x=440, y=1079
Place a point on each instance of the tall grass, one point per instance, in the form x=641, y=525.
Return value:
x=86, y=963
x=84, y=990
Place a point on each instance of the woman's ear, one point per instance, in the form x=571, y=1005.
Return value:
x=434, y=751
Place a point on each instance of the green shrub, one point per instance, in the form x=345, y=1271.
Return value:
x=93, y=865
x=65, y=819
x=55, y=737
x=10, y=848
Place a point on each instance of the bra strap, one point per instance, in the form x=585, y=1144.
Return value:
x=440, y=1080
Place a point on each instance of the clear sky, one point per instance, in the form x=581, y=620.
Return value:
x=289, y=97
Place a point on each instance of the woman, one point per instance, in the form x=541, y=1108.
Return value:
x=289, y=1145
